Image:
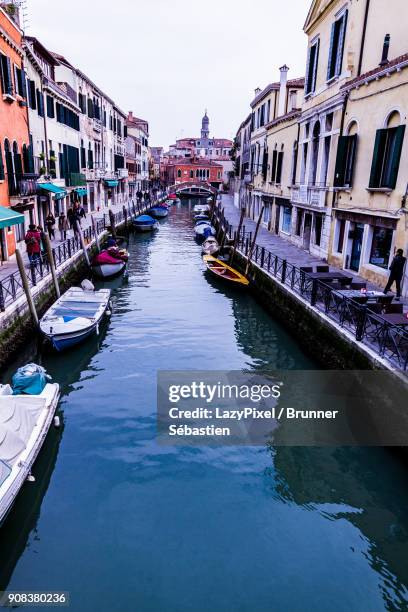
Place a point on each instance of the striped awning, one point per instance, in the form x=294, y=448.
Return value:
x=9, y=217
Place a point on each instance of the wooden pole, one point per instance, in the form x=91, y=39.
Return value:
x=82, y=241
x=112, y=223
x=95, y=231
x=26, y=287
x=234, y=247
x=251, y=250
x=52, y=264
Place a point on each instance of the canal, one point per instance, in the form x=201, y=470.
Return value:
x=123, y=524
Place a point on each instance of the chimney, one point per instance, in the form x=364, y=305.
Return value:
x=386, y=49
x=257, y=91
x=282, y=90
x=130, y=117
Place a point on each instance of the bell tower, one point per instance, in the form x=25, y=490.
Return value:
x=205, y=127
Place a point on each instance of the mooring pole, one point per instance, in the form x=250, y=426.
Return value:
x=236, y=241
x=51, y=260
x=26, y=287
x=95, y=231
x=82, y=241
x=251, y=250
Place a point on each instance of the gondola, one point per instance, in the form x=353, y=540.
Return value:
x=224, y=272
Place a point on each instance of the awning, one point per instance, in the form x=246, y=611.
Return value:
x=50, y=187
x=9, y=217
x=60, y=196
x=112, y=183
x=81, y=191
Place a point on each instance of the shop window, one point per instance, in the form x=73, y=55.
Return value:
x=387, y=156
x=286, y=219
x=381, y=247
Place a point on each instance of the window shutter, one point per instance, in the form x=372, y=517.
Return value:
x=33, y=100
x=340, y=171
x=331, y=50
x=279, y=168
x=23, y=83
x=342, y=38
x=396, y=156
x=2, y=177
x=9, y=85
x=350, y=161
x=265, y=163
x=379, y=145
x=315, y=65
x=274, y=163
x=18, y=166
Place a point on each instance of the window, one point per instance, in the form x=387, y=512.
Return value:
x=318, y=229
x=386, y=157
x=32, y=101
x=265, y=163
x=90, y=109
x=311, y=69
x=294, y=161
x=82, y=102
x=6, y=78
x=279, y=165
x=50, y=107
x=338, y=34
x=381, y=247
x=286, y=219
x=191, y=173
x=346, y=156
x=40, y=103
x=2, y=175
x=325, y=161
x=90, y=158
x=179, y=173
x=274, y=164
x=83, y=155
x=20, y=82
x=341, y=226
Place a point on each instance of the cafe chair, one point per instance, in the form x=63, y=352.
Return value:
x=322, y=269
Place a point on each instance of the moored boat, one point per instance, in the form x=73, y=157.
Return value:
x=224, y=272
x=74, y=316
x=145, y=223
x=210, y=246
x=159, y=211
x=109, y=262
x=201, y=208
x=27, y=409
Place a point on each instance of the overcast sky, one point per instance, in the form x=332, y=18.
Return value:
x=168, y=60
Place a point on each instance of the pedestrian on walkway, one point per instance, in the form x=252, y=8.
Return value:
x=63, y=226
x=43, y=248
x=139, y=195
x=32, y=240
x=50, y=222
x=81, y=212
x=76, y=222
x=397, y=270
x=70, y=216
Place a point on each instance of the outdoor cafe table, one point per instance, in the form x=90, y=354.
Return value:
x=330, y=276
x=395, y=319
x=356, y=294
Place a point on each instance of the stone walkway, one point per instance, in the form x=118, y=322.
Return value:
x=281, y=247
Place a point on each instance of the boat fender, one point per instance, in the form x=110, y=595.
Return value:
x=30, y=477
x=87, y=285
x=97, y=329
x=57, y=422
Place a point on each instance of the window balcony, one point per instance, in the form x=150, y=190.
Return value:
x=310, y=195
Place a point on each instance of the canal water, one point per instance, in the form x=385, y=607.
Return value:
x=126, y=525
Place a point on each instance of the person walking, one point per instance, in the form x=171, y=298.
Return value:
x=70, y=216
x=76, y=222
x=63, y=226
x=50, y=222
x=43, y=247
x=33, y=240
x=396, y=271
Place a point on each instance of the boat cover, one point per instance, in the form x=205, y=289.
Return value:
x=105, y=257
x=30, y=379
x=4, y=472
x=18, y=417
x=146, y=219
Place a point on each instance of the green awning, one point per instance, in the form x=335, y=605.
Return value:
x=112, y=183
x=52, y=188
x=81, y=191
x=9, y=217
x=59, y=196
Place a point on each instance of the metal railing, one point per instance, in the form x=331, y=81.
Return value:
x=385, y=339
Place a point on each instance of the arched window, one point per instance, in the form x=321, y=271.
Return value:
x=9, y=167
x=2, y=175
x=387, y=153
x=18, y=166
x=346, y=156
x=315, y=152
x=191, y=173
x=179, y=173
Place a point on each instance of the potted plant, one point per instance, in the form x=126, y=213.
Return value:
x=42, y=156
x=43, y=170
x=11, y=9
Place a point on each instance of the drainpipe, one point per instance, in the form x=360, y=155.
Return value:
x=363, y=37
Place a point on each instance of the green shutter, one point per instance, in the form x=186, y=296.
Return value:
x=396, y=156
x=274, y=162
x=340, y=171
x=2, y=177
x=379, y=145
x=279, y=168
x=331, y=49
x=339, y=62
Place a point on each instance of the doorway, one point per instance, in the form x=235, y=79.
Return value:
x=3, y=246
x=277, y=218
x=307, y=231
x=356, y=247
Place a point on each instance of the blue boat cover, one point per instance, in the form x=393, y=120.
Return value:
x=144, y=219
x=29, y=380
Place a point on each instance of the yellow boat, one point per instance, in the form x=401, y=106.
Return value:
x=221, y=270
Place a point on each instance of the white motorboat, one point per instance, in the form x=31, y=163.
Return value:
x=204, y=230
x=201, y=208
x=75, y=316
x=24, y=423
